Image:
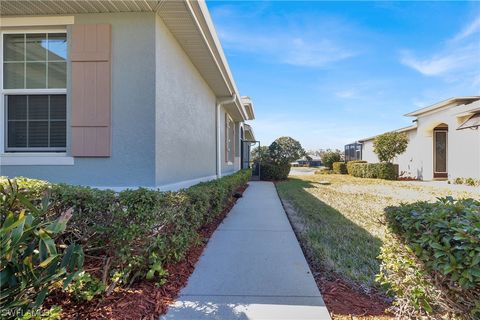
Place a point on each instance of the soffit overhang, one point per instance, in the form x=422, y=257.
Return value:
x=188, y=21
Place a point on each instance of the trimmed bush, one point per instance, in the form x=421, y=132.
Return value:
x=339, y=167
x=351, y=163
x=431, y=259
x=383, y=170
x=274, y=171
x=137, y=231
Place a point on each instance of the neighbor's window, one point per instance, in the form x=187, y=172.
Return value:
x=229, y=139
x=34, y=87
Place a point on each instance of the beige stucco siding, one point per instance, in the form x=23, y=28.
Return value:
x=185, y=133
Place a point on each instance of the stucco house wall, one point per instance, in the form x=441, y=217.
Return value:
x=185, y=144
x=463, y=146
x=409, y=164
x=132, y=162
x=164, y=130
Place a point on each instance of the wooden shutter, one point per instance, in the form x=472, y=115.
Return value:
x=90, y=53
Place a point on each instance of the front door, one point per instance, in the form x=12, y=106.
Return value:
x=440, y=154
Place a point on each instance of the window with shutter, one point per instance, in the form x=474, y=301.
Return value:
x=34, y=87
x=91, y=90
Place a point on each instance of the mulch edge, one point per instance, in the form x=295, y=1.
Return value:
x=143, y=300
x=336, y=291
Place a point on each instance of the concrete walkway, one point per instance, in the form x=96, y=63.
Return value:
x=252, y=268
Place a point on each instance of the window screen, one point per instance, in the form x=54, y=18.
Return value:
x=36, y=122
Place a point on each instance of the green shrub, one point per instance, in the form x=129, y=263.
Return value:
x=137, y=231
x=32, y=258
x=431, y=259
x=470, y=182
x=351, y=163
x=274, y=171
x=458, y=181
x=383, y=170
x=85, y=287
x=389, y=145
x=329, y=157
x=339, y=167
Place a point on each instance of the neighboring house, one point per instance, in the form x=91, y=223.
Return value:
x=117, y=94
x=443, y=143
x=313, y=161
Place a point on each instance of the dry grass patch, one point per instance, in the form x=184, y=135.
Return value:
x=344, y=219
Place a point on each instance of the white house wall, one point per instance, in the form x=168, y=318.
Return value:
x=463, y=146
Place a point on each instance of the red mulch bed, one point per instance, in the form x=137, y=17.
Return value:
x=143, y=300
x=343, y=298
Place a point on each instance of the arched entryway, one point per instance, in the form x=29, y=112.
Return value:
x=440, y=151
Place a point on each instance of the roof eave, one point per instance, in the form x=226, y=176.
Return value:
x=441, y=104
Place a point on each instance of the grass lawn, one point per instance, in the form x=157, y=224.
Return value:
x=342, y=222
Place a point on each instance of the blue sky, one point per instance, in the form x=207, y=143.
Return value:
x=329, y=73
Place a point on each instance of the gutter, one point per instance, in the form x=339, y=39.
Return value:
x=220, y=103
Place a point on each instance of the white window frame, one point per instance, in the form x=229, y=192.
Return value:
x=28, y=158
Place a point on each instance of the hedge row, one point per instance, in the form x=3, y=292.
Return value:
x=136, y=232
x=383, y=170
x=274, y=171
x=339, y=168
x=351, y=163
x=431, y=259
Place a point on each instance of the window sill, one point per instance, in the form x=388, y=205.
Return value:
x=35, y=159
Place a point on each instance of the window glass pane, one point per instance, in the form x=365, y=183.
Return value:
x=38, y=107
x=36, y=75
x=36, y=121
x=58, y=110
x=58, y=131
x=17, y=107
x=57, y=74
x=13, y=75
x=36, y=47
x=17, y=134
x=37, y=134
x=57, y=46
x=14, y=47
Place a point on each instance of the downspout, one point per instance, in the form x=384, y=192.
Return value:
x=220, y=103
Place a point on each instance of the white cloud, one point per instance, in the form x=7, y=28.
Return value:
x=449, y=60
x=457, y=61
x=470, y=29
x=279, y=47
x=346, y=94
